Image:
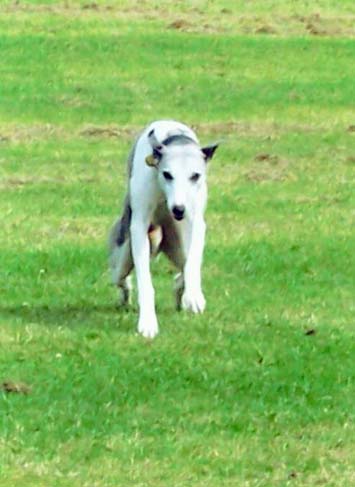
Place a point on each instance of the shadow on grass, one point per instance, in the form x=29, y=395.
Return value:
x=81, y=314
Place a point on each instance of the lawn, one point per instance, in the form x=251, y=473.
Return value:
x=260, y=390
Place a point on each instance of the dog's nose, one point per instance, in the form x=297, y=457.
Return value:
x=179, y=212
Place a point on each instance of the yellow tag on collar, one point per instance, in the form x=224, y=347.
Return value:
x=150, y=161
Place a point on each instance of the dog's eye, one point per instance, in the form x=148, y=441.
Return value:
x=195, y=177
x=167, y=176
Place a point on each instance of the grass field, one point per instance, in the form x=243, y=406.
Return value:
x=260, y=390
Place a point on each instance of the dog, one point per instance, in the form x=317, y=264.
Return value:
x=163, y=212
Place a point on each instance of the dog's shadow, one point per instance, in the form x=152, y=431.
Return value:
x=74, y=315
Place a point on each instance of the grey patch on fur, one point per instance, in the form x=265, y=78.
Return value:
x=124, y=223
x=131, y=155
x=120, y=230
x=180, y=139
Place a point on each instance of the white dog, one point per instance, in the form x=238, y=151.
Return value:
x=163, y=211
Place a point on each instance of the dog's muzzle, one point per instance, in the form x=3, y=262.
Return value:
x=178, y=212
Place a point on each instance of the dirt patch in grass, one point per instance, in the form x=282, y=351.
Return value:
x=15, y=387
x=180, y=24
x=4, y=138
x=108, y=131
x=191, y=19
x=27, y=133
x=265, y=29
x=319, y=25
x=58, y=8
x=267, y=157
x=315, y=31
x=268, y=167
x=94, y=6
x=17, y=182
x=73, y=101
x=201, y=26
x=33, y=133
x=253, y=129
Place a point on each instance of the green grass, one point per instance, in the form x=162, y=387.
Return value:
x=242, y=395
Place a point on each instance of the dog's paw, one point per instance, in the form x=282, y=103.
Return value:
x=124, y=299
x=193, y=301
x=124, y=293
x=148, y=326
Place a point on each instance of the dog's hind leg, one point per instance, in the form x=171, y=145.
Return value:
x=172, y=247
x=179, y=289
x=121, y=262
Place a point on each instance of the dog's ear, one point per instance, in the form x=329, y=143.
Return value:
x=208, y=151
x=154, y=159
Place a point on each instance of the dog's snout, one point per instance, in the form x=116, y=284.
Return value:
x=178, y=212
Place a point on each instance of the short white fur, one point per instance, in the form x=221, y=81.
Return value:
x=164, y=211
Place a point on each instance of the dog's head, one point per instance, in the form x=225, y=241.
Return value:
x=181, y=165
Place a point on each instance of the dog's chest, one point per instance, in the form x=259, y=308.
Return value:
x=161, y=212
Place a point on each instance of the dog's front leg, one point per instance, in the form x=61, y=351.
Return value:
x=192, y=298
x=148, y=323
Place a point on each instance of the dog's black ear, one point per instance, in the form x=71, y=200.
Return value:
x=158, y=152
x=208, y=151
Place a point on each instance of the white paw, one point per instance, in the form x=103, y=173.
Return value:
x=148, y=326
x=193, y=301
